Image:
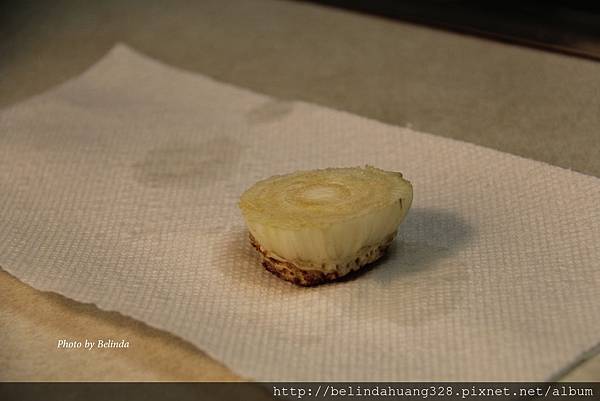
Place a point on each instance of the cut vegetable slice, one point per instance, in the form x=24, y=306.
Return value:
x=325, y=223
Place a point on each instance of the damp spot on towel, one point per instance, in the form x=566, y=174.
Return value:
x=188, y=164
x=420, y=278
x=415, y=282
x=269, y=111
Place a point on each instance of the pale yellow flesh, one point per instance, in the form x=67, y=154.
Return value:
x=323, y=218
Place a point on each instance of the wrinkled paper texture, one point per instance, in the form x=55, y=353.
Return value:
x=120, y=188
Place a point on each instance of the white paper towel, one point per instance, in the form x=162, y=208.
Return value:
x=119, y=188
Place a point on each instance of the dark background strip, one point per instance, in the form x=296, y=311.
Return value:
x=298, y=390
x=571, y=27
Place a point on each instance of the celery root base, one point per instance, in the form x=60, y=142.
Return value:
x=295, y=273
